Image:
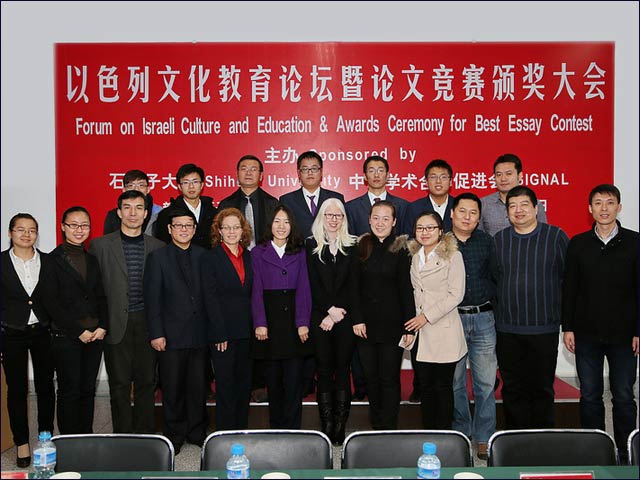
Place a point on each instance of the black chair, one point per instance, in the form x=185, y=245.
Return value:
x=269, y=449
x=113, y=452
x=551, y=447
x=401, y=448
x=632, y=447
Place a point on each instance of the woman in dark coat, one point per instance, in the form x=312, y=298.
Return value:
x=26, y=329
x=384, y=303
x=330, y=253
x=281, y=307
x=227, y=280
x=79, y=323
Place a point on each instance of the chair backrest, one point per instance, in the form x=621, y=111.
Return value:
x=551, y=447
x=632, y=447
x=115, y=452
x=269, y=449
x=401, y=448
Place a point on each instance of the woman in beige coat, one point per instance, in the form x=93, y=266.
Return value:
x=438, y=278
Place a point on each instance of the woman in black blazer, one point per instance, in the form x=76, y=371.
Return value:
x=384, y=303
x=25, y=329
x=330, y=253
x=79, y=325
x=227, y=280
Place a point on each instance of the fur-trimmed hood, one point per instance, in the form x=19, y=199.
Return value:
x=445, y=249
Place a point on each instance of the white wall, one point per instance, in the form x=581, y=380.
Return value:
x=30, y=29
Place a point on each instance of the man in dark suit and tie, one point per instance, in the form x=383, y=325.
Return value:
x=304, y=204
x=305, y=201
x=178, y=328
x=250, y=198
x=439, y=176
x=376, y=171
x=128, y=357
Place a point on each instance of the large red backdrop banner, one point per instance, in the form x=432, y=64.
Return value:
x=156, y=106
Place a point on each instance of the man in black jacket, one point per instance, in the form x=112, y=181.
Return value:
x=600, y=314
x=190, y=179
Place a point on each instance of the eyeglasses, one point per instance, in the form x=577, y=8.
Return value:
x=186, y=183
x=231, y=228
x=135, y=186
x=426, y=228
x=306, y=170
x=249, y=169
x=333, y=216
x=435, y=178
x=22, y=231
x=182, y=226
x=78, y=226
x=373, y=171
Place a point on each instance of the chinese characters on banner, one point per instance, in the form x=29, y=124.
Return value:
x=156, y=106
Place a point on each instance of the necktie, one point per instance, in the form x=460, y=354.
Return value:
x=313, y=205
x=248, y=213
x=376, y=199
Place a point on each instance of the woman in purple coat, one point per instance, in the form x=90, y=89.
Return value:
x=281, y=307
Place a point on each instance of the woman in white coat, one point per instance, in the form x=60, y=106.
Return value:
x=438, y=279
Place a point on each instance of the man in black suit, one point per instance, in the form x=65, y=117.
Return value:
x=376, y=171
x=305, y=202
x=190, y=179
x=250, y=199
x=439, y=176
x=177, y=321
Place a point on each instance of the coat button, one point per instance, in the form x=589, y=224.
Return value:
x=284, y=272
x=284, y=292
x=286, y=309
x=30, y=302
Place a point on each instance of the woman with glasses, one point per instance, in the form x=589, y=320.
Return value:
x=330, y=252
x=227, y=280
x=79, y=314
x=438, y=278
x=281, y=307
x=26, y=329
x=384, y=302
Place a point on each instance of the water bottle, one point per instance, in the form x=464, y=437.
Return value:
x=238, y=465
x=44, y=456
x=428, y=463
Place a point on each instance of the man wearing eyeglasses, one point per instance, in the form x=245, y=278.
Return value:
x=305, y=202
x=177, y=322
x=250, y=198
x=129, y=358
x=376, y=172
x=134, y=180
x=190, y=179
x=438, y=175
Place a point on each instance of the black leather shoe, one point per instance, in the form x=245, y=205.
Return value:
x=358, y=396
x=414, y=397
x=23, y=462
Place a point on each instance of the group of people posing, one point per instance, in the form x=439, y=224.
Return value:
x=261, y=283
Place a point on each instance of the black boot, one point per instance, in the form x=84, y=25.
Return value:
x=325, y=405
x=341, y=414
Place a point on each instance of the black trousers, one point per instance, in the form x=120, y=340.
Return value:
x=132, y=361
x=233, y=385
x=184, y=394
x=381, y=363
x=16, y=346
x=77, y=366
x=436, y=393
x=527, y=365
x=284, y=387
x=333, y=352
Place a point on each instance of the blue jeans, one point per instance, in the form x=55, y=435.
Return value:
x=480, y=334
x=622, y=376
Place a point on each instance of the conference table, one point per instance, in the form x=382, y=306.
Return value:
x=486, y=472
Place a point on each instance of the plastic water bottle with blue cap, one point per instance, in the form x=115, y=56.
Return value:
x=428, y=463
x=44, y=456
x=238, y=465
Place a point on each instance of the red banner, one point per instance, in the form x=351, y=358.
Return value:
x=157, y=106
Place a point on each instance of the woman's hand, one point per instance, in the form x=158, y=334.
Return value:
x=86, y=336
x=336, y=314
x=159, y=344
x=416, y=323
x=262, y=333
x=98, y=334
x=303, y=333
x=326, y=324
x=360, y=330
x=221, y=347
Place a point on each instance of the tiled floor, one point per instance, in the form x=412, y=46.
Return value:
x=189, y=457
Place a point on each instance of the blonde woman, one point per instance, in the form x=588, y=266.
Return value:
x=438, y=278
x=330, y=252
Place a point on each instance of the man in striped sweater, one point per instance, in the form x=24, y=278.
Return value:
x=531, y=262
